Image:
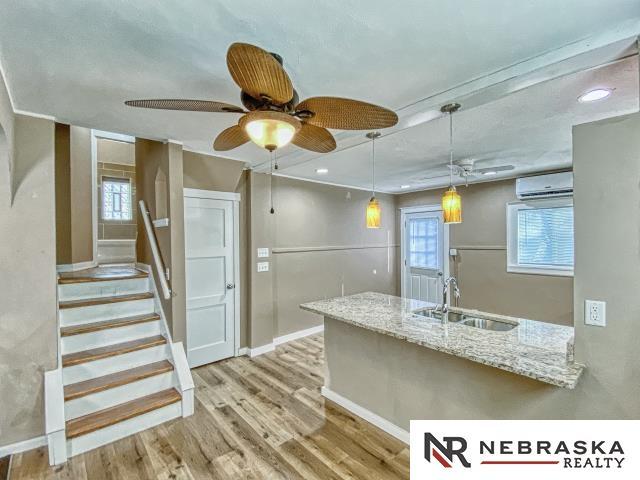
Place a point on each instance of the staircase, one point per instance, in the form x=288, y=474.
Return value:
x=119, y=372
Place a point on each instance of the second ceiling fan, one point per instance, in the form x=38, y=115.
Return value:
x=274, y=116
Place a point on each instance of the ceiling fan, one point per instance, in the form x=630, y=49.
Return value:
x=274, y=116
x=466, y=169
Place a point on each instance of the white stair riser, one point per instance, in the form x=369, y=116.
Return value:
x=79, y=291
x=107, y=311
x=120, y=430
x=117, y=363
x=114, y=396
x=110, y=336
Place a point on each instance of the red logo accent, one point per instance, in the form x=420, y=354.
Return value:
x=440, y=458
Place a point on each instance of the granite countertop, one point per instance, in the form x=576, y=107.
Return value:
x=539, y=350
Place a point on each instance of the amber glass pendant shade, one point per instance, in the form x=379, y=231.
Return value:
x=452, y=206
x=373, y=213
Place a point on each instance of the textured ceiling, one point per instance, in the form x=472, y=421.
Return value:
x=530, y=129
x=79, y=60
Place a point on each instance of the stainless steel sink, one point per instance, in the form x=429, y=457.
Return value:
x=489, y=324
x=453, y=316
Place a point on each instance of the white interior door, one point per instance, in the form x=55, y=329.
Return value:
x=424, y=255
x=209, y=245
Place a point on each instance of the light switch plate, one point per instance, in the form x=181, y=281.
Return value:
x=263, y=266
x=595, y=313
x=263, y=252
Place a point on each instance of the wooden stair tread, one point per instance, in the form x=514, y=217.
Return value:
x=76, y=358
x=101, y=274
x=119, y=413
x=106, y=324
x=87, y=302
x=99, y=384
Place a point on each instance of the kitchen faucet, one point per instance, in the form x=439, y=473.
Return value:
x=445, y=294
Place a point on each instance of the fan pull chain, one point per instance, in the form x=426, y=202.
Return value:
x=271, y=184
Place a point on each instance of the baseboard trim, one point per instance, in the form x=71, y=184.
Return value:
x=270, y=347
x=255, y=352
x=242, y=351
x=23, y=446
x=299, y=334
x=374, y=419
x=74, y=267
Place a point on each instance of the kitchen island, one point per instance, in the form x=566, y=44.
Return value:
x=385, y=359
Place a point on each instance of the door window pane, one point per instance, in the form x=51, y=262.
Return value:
x=423, y=243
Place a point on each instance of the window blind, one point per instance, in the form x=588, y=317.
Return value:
x=545, y=236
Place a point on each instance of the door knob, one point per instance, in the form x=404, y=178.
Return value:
x=230, y=286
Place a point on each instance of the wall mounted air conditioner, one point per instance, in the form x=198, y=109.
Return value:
x=545, y=186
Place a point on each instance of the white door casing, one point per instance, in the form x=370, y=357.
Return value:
x=212, y=281
x=424, y=253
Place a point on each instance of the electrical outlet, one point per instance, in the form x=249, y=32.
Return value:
x=263, y=266
x=595, y=313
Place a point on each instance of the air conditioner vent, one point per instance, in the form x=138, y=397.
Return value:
x=545, y=186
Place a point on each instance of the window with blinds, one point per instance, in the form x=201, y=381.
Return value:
x=541, y=237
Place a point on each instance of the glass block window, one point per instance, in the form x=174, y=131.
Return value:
x=423, y=243
x=116, y=199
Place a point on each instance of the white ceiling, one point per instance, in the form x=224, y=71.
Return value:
x=79, y=60
x=530, y=129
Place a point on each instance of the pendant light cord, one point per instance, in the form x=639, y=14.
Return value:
x=451, y=149
x=373, y=167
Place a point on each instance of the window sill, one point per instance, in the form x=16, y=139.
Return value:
x=552, y=272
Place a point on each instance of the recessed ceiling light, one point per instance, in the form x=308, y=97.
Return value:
x=490, y=172
x=593, y=95
x=322, y=171
x=405, y=186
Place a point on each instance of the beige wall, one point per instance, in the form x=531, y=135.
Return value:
x=6, y=140
x=63, y=193
x=207, y=172
x=481, y=264
x=116, y=160
x=81, y=191
x=113, y=151
x=28, y=278
x=153, y=157
x=73, y=189
x=320, y=248
x=414, y=382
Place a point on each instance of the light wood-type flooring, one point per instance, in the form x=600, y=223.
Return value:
x=260, y=418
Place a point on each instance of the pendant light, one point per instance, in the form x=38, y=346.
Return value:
x=373, y=207
x=451, y=201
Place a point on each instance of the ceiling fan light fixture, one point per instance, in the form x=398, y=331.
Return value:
x=270, y=129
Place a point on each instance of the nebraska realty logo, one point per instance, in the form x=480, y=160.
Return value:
x=528, y=449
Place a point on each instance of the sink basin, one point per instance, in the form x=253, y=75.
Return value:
x=453, y=316
x=489, y=324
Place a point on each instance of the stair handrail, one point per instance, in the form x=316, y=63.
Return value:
x=155, y=251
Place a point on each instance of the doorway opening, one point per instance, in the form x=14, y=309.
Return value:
x=114, y=199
